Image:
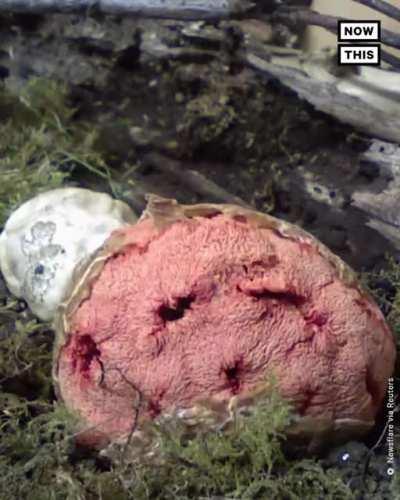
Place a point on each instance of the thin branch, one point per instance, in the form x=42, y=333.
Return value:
x=390, y=59
x=164, y=9
x=381, y=6
x=329, y=22
x=192, y=179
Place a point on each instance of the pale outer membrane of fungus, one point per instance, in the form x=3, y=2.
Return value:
x=48, y=236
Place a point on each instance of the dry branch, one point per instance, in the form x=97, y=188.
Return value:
x=305, y=16
x=164, y=9
x=383, y=7
x=192, y=179
x=382, y=206
x=368, y=99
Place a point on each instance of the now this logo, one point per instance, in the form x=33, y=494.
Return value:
x=359, y=53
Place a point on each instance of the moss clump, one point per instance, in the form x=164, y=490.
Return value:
x=25, y=355
x=207, y=117
x=385, y=288
x=39, y=459
x=245, y=461
x=34, y=449
x=40, y=145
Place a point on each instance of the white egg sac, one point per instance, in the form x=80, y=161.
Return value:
x=48, y=236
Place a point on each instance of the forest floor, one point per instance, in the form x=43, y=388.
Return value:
x=87, y=101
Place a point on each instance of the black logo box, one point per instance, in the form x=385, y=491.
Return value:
x=369, y=21
x=359, y=46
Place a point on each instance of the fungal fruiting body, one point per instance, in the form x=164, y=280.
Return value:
x=204, y=302
x=49, y=235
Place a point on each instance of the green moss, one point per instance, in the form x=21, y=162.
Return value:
x=39, y=459
x=395, y=486
x=384, y=286
x=25, y=357
x=245, y=461
x=35, y=450
x=40, y=144
x=207, y=117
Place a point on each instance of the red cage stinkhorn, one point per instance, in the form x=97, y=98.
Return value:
x=202, y=302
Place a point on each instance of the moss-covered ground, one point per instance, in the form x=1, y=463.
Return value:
x=42, y=146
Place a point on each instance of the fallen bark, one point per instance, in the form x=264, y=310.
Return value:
x=163, y=9
x=368, y=99
x=382, y=206
x=306, y=16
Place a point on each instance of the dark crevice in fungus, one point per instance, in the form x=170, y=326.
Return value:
x=272, y=261
x=168, y=313
x=258, y=268
x=154, y=409
x=233, y=374
x=154, y=406
x=240, y=218
x=261, y=265
x=211, y=215
x=85, y=351
x=288, y=298
x=138, y=248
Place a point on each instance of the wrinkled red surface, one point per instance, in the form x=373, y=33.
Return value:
x=210, y=306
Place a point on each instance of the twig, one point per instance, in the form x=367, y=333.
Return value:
x=381, y=6
x=390, y=59
x=164, y=9
x=136, y=408
x=329, y=22
x=192, y=179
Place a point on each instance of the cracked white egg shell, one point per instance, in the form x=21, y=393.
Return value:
x=48, y=236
